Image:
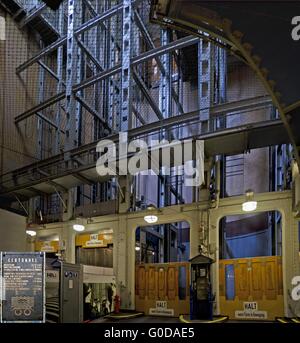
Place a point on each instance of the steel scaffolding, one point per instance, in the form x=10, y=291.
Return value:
x=103, y=68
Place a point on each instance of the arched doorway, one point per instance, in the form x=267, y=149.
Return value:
x=250, y=266
x=162, y=277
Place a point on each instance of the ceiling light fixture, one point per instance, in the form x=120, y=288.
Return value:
x=31, y=233
x=78, y=227
x=249, y=205
x=151, y=218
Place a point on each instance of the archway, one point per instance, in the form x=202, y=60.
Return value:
x=162, y=278
x=250, y=266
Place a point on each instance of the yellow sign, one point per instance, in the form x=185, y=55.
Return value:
x=94, y=240
x=47, y=246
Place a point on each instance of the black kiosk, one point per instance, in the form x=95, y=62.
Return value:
x=201, y=299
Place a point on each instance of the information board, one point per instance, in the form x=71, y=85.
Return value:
x=23, y=287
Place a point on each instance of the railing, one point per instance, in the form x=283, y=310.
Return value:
x=51, y=17
x=76, y=161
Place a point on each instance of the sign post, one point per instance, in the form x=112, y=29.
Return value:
x=23, y=287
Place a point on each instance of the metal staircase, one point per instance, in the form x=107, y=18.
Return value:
x=35, y=15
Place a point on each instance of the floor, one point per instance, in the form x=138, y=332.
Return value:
x=143, y=319
x=151, y=319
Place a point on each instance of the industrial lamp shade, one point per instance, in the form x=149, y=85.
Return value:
x=31, y=233
x=151, y=218
x=249, y=205
x=78, y=227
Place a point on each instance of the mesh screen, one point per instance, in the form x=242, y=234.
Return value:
x=67, y=81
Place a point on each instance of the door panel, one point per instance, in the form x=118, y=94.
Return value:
x=71, y=293
x=151, y=283
x=256, y=280
x=165, y=294
x=252, y=288
x=271, y=280
x=242, y=279
x=141, y=283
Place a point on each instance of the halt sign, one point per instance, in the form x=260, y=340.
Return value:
x=251, y=312
x=161, y=309
x=23, y=287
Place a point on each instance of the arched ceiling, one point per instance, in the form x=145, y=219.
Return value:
x=259, y=32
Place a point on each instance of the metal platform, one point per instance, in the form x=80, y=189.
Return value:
x=78, y=166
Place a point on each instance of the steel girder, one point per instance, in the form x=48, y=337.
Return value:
x=257, y=32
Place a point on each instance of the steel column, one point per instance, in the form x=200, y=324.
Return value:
x=40, y=126
x=71, y=139
x=61, y=83
x=125, y=120
x=205, y=81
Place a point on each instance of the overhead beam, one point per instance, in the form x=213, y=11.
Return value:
x=193, y=116
x=58, y=97
x=179, y=44
x=52, y=183
x=87, y=106
x=37, y=191
x=141, y=84
x=86, y=26
x=31, y=15
x=168, y=123
x=92, y=10
x=138, y=115
x=98, y=77
x=90, y=7
x=49, y=121
x=50, y=48
x=228, y=141
x=83, y=179
x=50, y=71
x=176, y=45
x=186, y=118
x=89, y=54
x=151, y=45
x=243, y=105
x=57, y=186
x=173, y=121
